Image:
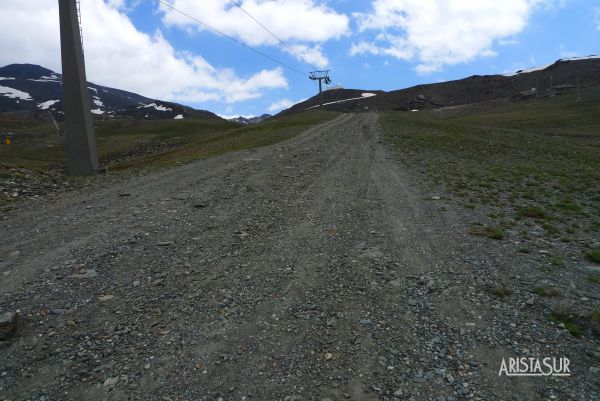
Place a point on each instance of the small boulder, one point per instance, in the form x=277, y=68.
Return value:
x=8, y=324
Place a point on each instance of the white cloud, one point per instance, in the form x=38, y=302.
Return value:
x=364, y=48
x=597, y=17
x=116, y=3
x=508, y=42
x=313, y=55
x=237, y=90
x=298, y=22
x=441, y=32
x=119, y=55
x=282, y=104
x=124, y=5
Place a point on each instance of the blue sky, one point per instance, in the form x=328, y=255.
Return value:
x=145, y=47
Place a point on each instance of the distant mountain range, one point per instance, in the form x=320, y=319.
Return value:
x=250, y=120
x=33, y=91
x=554, y=79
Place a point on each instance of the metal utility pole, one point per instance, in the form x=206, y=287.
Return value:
x=79, y=128
x=320, y=76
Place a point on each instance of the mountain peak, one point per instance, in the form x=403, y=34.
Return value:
x=250, y=120
x=25, y=71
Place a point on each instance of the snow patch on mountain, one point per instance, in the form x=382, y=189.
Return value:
x=97, y=111
x=14, y=93
x=364, y=95
x=178, y=117
x=527, y=71
x=46, y=105
x=156, y=107
x=579, y=58
x=52, y=78
x=543, y=67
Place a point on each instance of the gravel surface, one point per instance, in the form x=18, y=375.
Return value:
x=314, y=269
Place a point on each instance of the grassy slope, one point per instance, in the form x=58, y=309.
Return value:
x=247, y=137
x=531, y=166
x=38, y=146
x=38, y=155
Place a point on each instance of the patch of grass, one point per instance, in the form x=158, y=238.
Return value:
x=551, y=228
x=546, y=291
x=535, y=212
x=496, y=233
x=593, y=255
x=569, y=205
x=557, y=261
x=594, y=321
x=568, y=321
x=500, y=291
x=594, y=278
x=574, y=329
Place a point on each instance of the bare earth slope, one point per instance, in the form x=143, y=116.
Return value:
x=308, y=270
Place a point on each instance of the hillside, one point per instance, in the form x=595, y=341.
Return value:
x=32, y=91
x=551, y=80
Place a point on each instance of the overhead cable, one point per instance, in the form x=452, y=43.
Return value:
x=231, y=38
x=272, y=34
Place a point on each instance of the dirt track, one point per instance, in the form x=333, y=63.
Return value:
x=313, y=269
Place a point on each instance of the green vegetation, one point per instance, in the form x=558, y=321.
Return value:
x=546, y=291
x=593, y=255
x=594, y=321
x=535, y=212
x=496, y=233
x=500, y=291
x=532, y=165
x=568, y=321
x=557, y=261
x=230, y=140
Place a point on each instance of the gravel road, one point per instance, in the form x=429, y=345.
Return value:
x=314, y=269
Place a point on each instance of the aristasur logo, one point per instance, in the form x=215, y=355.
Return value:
x=535, y=367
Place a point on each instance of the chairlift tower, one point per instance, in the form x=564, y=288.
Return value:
x=79, y=128
x=320, y=76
